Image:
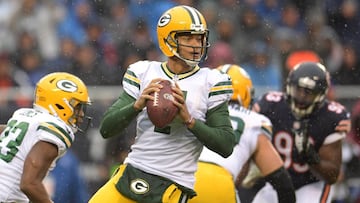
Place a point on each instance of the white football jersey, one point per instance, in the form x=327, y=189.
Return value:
x=172, y=152
x=27, y=127
x=248, y=125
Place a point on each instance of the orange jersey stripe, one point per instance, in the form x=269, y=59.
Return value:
x=325, y=194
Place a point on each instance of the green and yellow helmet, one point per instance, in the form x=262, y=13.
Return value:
x=60, y=94
x=241, y=83
x=178, y=20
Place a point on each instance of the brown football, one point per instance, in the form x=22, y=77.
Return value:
x=161, y=110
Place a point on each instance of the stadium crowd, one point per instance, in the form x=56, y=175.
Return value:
x=97, y=40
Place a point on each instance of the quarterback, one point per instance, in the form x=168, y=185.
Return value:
x=161, y=164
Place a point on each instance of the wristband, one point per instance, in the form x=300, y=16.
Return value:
x=281, y=182
x=188, y=122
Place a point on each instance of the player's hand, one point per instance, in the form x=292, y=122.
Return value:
x=306, y=151
x=253, y=175
x=153, y=86
x=311, y=156
x=180, y=103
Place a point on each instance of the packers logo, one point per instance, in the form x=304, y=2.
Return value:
x=67, y=85
x=139, y=186
x=164, y=20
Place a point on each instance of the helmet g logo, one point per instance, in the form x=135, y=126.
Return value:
x=67, y=85
x=164, y=20
x=139, y=186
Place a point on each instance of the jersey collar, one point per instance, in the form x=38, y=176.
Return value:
x=170, y=74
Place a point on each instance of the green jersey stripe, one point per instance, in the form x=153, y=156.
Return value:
x=132, y=79
x=57, y=134
x=131, y=82
x=61, y=130
x=221, y=92
x=224, y=83
x=267, y=130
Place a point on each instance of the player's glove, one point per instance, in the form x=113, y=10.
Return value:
x=253, y=175
x=306, y=151
x=311, y=156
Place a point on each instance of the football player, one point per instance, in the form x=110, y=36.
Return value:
x=253, y=132
x=308, y=132
x=34, y=138
x=162, y=162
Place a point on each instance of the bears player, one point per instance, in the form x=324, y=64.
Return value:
x=253, y=132
x=161, y=164
x=34, y=138
x=308, y=132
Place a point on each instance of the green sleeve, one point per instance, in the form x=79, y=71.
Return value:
x=118, y=116
x=217, y=133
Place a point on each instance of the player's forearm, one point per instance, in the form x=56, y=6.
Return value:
x=36, y=192
x=217, y=134
x=220, y=140
x=118, y=116
x=326, y=171
x=329, y=164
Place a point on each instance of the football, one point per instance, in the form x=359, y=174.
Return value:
x=161, y=110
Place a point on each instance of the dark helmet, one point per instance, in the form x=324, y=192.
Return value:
x=306, y=88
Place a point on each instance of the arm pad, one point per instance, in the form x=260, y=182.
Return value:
x=281, y=182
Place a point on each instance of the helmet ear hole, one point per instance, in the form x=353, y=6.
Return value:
x=171, y=42
x=59, y=106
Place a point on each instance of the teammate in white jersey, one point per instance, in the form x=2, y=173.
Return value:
x=216, y=176
x=34, y=138
x=161, y=164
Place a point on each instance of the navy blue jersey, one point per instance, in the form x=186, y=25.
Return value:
x=330, y=118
